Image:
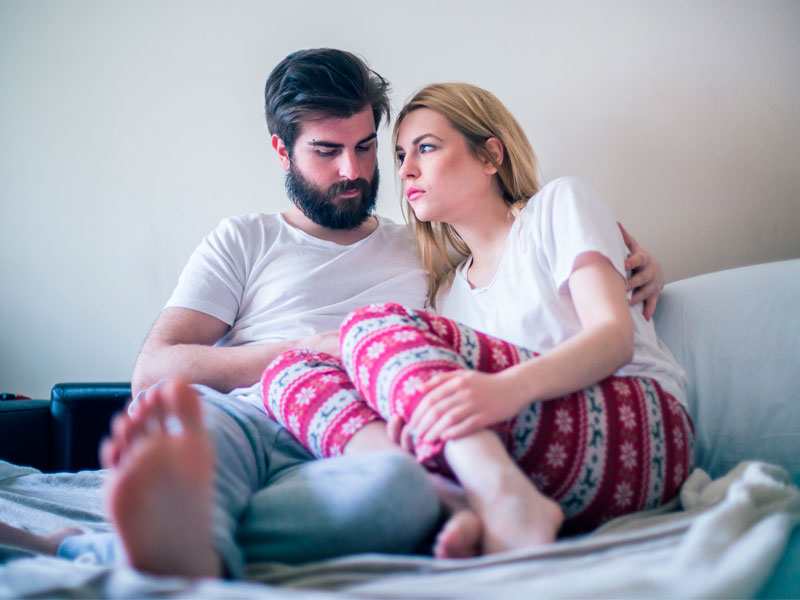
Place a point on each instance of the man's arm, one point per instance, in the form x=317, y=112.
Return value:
x=181, y=342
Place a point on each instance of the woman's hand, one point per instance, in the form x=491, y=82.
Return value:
x=399, y=433
x=647, y=277
x=462, y=402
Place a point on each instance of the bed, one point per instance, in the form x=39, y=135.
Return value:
x=731, y=533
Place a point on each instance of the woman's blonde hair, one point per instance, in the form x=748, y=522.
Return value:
x=478, y=115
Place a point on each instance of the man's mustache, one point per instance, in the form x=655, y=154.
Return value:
x=355, y=185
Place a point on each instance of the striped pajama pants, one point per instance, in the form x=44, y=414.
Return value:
x=616, y=447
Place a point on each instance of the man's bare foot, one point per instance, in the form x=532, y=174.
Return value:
x=160, y=495
x=43, y=544
x=461, y=536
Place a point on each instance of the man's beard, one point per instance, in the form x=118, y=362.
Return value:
x=324, y=208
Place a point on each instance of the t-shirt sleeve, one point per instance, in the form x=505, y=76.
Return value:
x=213, y=280
x=576, y=220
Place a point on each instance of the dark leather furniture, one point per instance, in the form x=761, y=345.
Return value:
x=63, y=433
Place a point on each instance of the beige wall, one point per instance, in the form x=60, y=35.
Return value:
x=128, y=129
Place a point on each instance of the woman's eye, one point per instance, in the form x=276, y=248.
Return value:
x=425, y=148
x=400, y=158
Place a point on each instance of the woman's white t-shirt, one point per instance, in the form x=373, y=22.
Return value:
x=528, y=303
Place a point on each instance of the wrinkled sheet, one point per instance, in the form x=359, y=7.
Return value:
x=721, y=540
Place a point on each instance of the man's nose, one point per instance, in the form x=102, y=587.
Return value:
x=348, y=166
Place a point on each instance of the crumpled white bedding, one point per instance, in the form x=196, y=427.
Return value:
x=722, y=540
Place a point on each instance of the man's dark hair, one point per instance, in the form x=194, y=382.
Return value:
x=324, y=82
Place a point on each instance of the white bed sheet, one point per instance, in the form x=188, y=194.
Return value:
x=723, y=541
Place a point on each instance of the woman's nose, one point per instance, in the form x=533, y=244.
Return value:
x=407, y=169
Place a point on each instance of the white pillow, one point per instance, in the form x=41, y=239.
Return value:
x=737, y=334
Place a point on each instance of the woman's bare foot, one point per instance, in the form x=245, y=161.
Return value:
x=517, y=515
x=160, y=495
x=461, y=536
x=513, y=513
x=43, y=544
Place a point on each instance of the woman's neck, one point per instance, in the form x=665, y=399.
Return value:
x=486, y=232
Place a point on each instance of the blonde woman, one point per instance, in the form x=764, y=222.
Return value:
x=535, y=384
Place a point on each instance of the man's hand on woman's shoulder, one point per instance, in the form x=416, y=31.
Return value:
x=646, y=275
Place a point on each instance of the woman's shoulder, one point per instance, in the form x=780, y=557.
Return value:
x=564, y=195
x=567, y=212
x=568, y=184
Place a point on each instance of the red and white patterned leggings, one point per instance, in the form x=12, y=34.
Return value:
x=616, y=447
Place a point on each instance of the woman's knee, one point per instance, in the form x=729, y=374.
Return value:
x=298, y=362
x=378, y=310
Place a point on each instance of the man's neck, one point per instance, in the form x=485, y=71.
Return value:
x=295, y=217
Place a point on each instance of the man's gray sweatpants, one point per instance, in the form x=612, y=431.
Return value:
x=274, y=502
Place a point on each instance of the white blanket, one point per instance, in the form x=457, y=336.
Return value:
x=723, y=542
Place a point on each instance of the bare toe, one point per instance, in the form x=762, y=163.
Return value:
x=182, y=400
x=461, y=536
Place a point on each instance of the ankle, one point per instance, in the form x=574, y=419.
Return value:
x=485, y=470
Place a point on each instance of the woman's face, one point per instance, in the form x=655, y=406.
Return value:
x=442, y=179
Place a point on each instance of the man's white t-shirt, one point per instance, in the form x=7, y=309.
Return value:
x=271, y=282
x=528, y=302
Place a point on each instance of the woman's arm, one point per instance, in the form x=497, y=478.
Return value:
x=462, y=402
x=604, y=345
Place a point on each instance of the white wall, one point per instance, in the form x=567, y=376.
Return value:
x=128, y=129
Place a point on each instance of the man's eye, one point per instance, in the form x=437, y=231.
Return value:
x=326, y=153
x=366, y=148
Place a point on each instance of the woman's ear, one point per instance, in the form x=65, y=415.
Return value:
x=494, y=155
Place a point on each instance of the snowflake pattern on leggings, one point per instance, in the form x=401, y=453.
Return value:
x=618, y=446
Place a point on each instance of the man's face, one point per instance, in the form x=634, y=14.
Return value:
x=332, y=173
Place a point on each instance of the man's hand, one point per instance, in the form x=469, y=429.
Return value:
x=327, y=341
x=647, y=277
